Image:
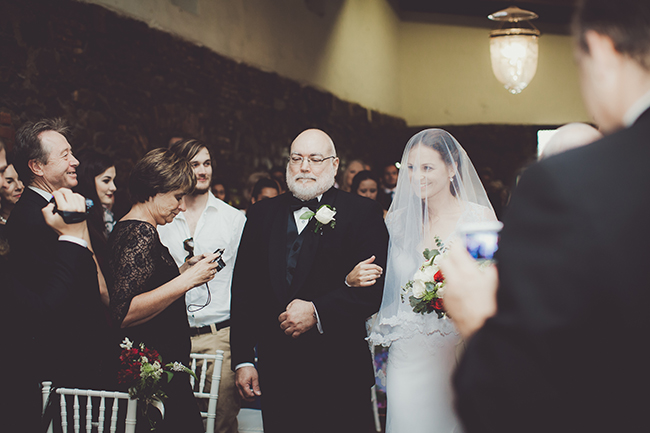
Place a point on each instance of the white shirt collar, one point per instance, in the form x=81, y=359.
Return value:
x=46, y=195
x=212, y=202
x=636, y=110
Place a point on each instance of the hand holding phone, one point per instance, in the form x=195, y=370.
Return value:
x=220, y=263
x=481, y=238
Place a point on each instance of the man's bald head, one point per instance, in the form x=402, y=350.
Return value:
x=315, y=137
x=570, y=136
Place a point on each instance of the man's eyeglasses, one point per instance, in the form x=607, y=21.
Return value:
x=188, y=245
x=312, y=160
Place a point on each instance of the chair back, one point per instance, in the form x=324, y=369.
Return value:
x=201, y=362
x=99, y=405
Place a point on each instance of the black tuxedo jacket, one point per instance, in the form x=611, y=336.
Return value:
x=56, y=298
x=33, y=243
x=314, y=365
x=567, y=350
x=50, y=335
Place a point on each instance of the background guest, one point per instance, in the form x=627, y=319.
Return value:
x=206, y=225
x=96, y=177
x=263, y=189
x=353, y=167
x=10, y=193
x=219, y=189
x=570, y=136
x=278, y=174
x=389, y=174
x=366, y=184
x=146, y=289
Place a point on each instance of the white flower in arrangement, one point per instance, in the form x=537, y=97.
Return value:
x=126, y=344
x=425, y=291
x=425, y=273
x=178, y=366
x=325, y=215
x=419, y=288
x=144, y=359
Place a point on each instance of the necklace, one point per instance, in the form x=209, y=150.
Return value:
x=3, y=220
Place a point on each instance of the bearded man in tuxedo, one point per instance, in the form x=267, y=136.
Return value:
x=290, y=298
x=564, y=350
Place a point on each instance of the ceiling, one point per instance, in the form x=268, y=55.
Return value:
x=554, y=15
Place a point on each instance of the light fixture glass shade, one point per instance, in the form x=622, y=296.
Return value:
x=514, y=60
x=513, y=48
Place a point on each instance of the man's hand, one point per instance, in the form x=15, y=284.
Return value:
x=66, y=200
x=470, y=292
x=298, y=318
x=247, y=382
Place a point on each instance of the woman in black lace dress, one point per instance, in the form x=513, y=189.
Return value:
x=146, y=289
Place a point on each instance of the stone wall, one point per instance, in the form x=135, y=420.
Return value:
x=127, y=88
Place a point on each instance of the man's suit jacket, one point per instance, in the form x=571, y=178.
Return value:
x=567, y=350
x=335, y=362
x=65, y=350
x=60, y=308
x=32, y=242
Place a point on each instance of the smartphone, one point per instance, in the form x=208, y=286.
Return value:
x=481, y=238
x=220, y=263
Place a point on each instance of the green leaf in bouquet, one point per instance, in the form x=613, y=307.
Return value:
x=307, y=215
x=429, y=254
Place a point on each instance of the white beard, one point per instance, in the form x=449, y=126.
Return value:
x=313, y=189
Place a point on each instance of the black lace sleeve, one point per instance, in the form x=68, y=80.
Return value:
x=132, y=265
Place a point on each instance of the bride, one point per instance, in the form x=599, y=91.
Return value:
x=437, y=190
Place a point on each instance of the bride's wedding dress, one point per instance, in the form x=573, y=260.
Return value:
x=422, y=347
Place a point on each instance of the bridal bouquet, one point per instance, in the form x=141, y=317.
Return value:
x=426, y=289
x=144, y=373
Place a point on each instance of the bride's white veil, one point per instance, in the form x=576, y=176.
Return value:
x=409, y=235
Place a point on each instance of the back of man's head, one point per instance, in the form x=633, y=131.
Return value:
x=570, y=136
x=625, y=22
x=29, y=147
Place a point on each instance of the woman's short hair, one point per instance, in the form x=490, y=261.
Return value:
x=160, y=171
x=360, y=177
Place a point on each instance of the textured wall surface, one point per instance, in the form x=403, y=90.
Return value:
x=127, y=88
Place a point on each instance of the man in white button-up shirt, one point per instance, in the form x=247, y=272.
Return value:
x=208, y=224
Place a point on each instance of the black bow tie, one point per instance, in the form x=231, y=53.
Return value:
x=299, y=204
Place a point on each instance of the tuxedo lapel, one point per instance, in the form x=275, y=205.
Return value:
x=277, y=249
x=310, y=246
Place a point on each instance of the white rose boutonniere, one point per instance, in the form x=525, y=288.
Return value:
x=324, y=217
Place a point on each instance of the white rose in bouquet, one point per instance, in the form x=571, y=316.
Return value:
x=419, y=288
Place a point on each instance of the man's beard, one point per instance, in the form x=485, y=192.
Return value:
x=200, y=191
x=312, y=190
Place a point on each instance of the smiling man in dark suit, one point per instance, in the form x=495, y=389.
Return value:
x=566, y=347
x=72, y=317
x=44, y=161
x=291, y=300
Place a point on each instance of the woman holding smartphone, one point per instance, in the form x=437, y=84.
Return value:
x=147, y=289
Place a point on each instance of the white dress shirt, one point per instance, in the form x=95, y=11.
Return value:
x=219, y=226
